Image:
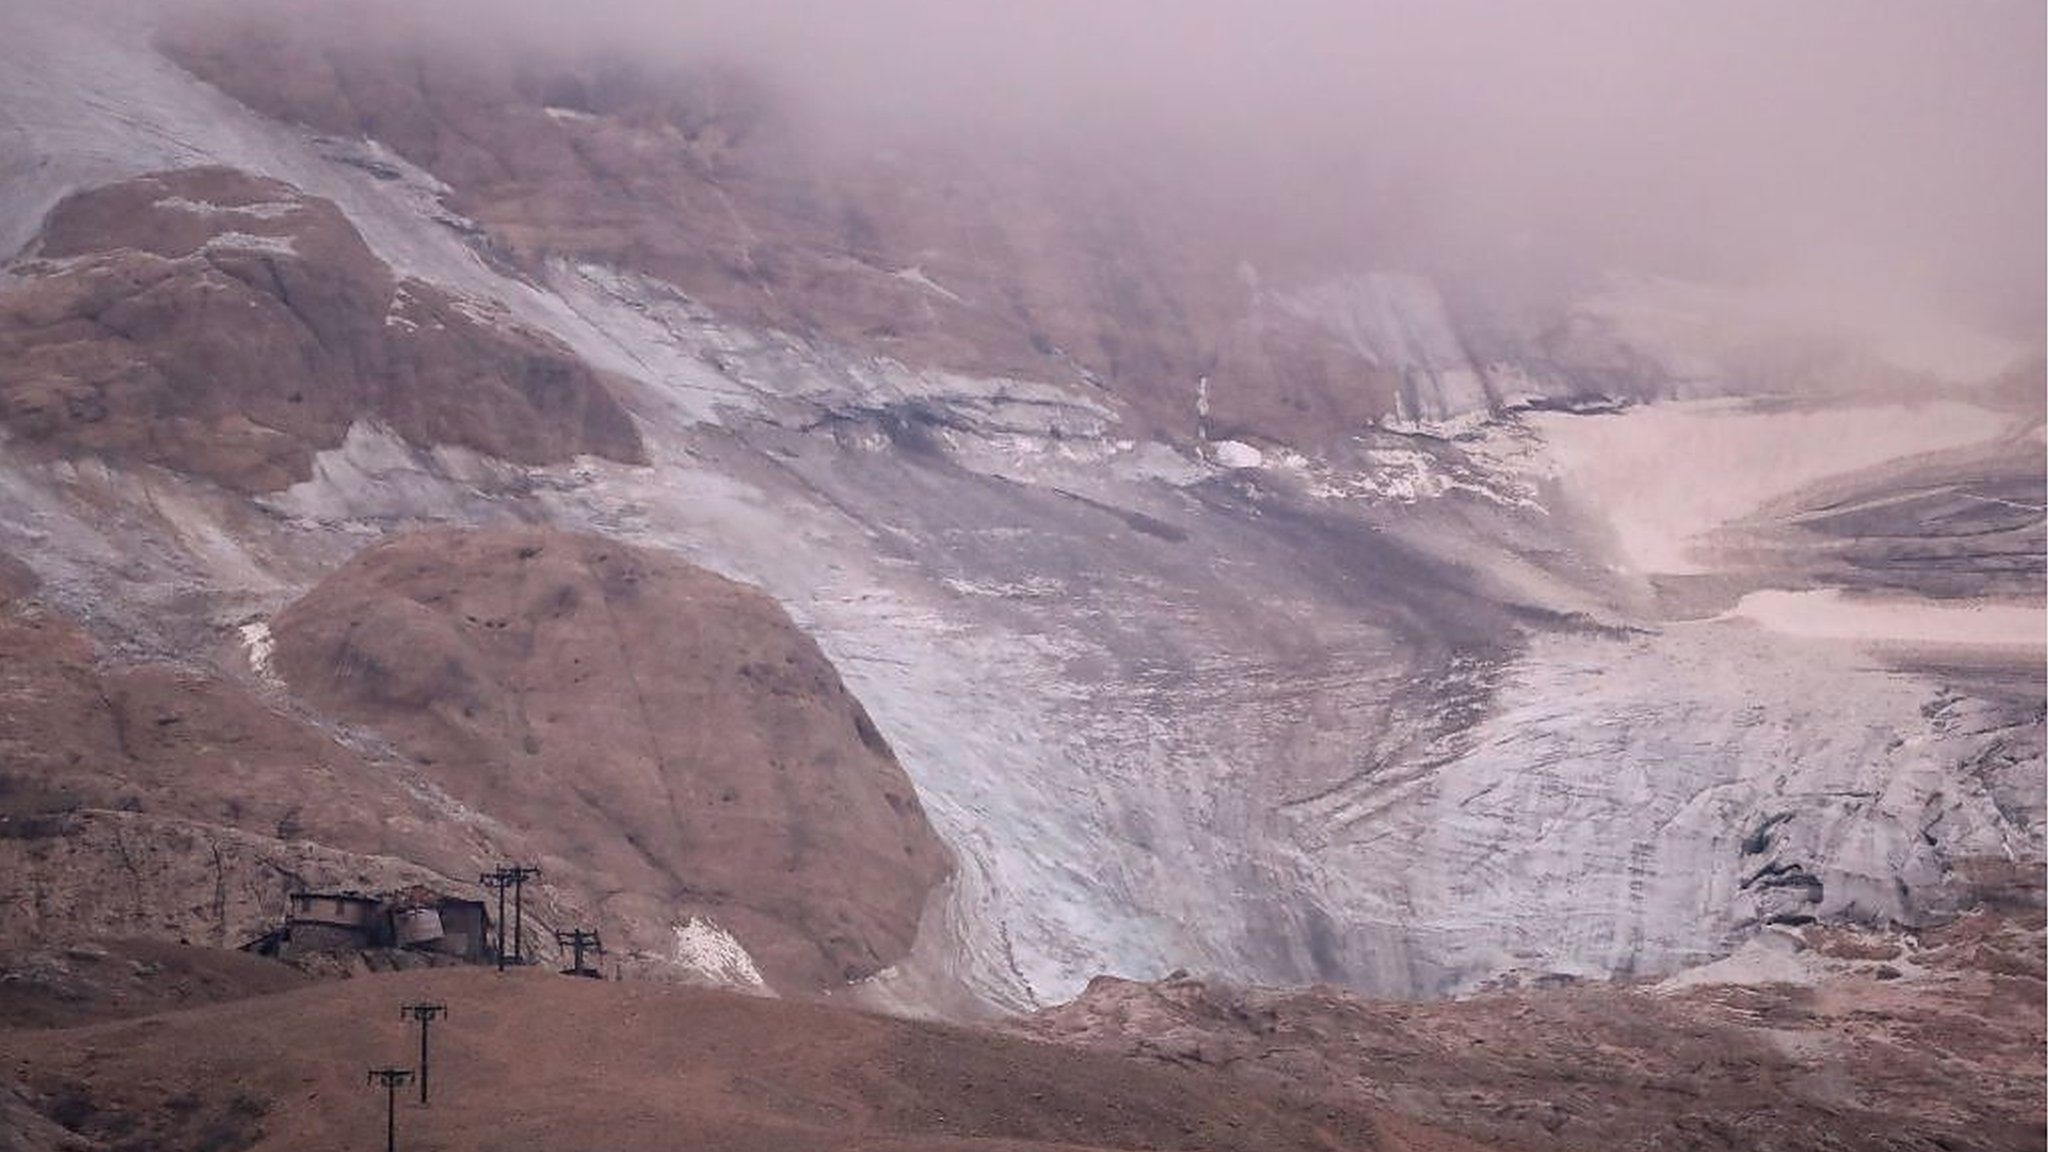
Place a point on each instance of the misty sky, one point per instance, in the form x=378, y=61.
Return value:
x=1890, y=146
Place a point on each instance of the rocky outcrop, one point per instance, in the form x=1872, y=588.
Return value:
x=90, y=873
x=79, y=733
x=1804, y=1041
x=661, y=734
x=224, y=325
x=175, y=803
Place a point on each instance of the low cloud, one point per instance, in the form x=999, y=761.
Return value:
x=1882, y=150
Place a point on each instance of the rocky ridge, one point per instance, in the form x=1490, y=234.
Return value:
x=228, y=327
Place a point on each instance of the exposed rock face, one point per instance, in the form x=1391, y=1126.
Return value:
x=16, y=579
x=166, y=741
x=151, y=800
x=89, y=873
x=664, y=731
x=224, y=325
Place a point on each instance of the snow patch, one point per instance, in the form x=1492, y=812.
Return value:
x=259, y=645
x=1405, y=475
x=376, y=478
x=1237, y=454
x=916, y=275
x=701, y=946
x=1030, y=588
x=1412, y=475
x=248, y=242
x=267, y=210
x=1829, y=615
x=1772, y=957
x=485, y=313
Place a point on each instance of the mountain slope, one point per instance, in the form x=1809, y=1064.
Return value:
x=541, y=1060
x=1827, y=1039
x=1405, y=689
x=696, y=774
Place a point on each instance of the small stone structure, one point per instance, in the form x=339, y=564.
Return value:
x=415, y=919
x=333, y=921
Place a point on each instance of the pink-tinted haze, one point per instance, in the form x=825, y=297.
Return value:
x=1890, y=150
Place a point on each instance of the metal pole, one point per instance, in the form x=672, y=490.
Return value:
x=582, y=942
x=498, y=880
x=519, y=874
x=425, y=1012
x=391, y=1078
x=513, y=876
x=518, y=917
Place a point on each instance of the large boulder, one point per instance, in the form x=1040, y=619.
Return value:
x=661, y=737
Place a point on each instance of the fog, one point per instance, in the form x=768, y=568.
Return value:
x=1886, y=154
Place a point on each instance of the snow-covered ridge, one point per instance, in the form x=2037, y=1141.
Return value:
x=274, y=210
x=246, y=242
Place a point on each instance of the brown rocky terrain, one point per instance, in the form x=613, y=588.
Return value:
x=541, y=1061
x=662, y=740
x=1868, y=1041
x=162, y=740
x=664, y=731
x=1858, y=1040
x=62, y=986
x=221, y=324
x=172, y=801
